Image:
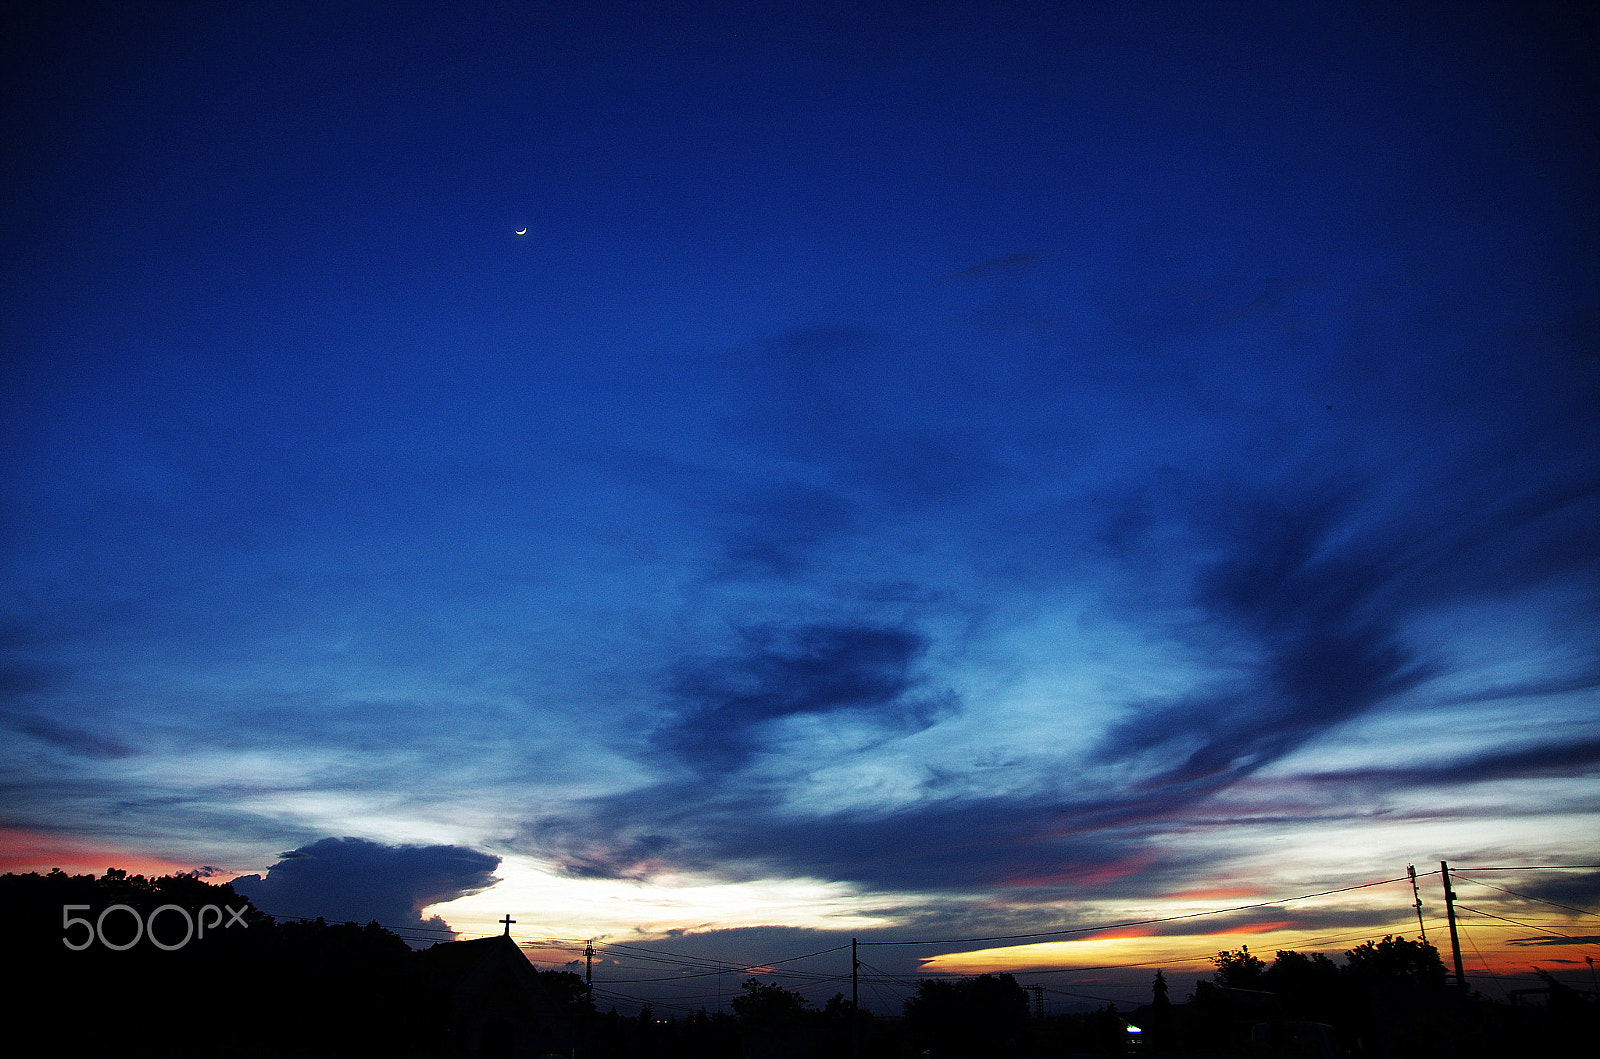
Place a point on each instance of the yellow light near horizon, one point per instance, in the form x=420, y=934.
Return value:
x=549, y=906
x=1171, y=951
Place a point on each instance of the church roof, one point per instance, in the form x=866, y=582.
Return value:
x=484, y=966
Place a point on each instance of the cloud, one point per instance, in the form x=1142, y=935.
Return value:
x=995, y=264
x=1024, y=844
x=1568, y=890
x=73, y=740
x=1306, y=607
x=353, y=879
x=1581, y=939
x=1295, y=593
x=1568, y=759
x=726, y=707
x=25, y=682
x=1314, y=642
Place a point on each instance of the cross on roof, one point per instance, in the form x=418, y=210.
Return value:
x=508, y=921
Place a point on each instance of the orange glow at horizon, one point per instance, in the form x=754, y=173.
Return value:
x=1137, y=947
x=23, y=851
x=1218, y=893
x=1100, y=874
x=1120, y=933
x=1485, y=959
x=1253, y=928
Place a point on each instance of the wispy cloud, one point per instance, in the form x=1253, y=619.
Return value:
x=724, y=708
x=73, y=740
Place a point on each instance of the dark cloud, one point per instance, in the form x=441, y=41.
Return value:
x=723, y=706
x=73, y=740
x=1317, y=643
x=1025, y=845
x=1307, y=601
x=353, y=879
x=1003, y=263
x=1580, y=757
x=1539, y=687
x=1014, y=843
x=1548, y=892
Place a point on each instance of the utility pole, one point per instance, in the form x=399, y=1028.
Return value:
x=1450, y=914
x=1038, y=999
x=1411, y=870
x=586, y=1023
x=855, y=1002
x=855, y=976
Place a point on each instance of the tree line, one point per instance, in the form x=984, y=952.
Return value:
x=178, y=966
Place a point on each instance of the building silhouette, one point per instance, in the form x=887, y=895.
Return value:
x=494, y=1004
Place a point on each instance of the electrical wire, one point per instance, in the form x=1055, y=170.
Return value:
x=1525, y=926
x=1522, y=867
x=1489, y=970
x=1540, y=900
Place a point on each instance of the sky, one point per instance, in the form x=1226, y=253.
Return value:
x=724, y=479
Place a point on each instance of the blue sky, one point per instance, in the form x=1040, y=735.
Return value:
x=940, y=470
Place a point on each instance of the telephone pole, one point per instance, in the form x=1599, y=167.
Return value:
x=1450, y=914
x=1411, y=870
x=855, y=1002
x=855, y=976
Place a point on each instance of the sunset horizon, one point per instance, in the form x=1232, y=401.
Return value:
x=1061, y=490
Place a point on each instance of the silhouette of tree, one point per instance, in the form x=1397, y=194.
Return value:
x=1238, y=969
x=982, y=1016
x=1399, y=998
x=1158, y=1032
x=765, y=1005
x=1396, y=959
x=1308, y=985
x=774, y=1020
x=569, y=990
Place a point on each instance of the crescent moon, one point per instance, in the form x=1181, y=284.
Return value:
x=522, y=231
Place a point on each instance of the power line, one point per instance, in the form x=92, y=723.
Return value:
x=631, y=952
x=1524, y=867
x=1526, y=897
x=1525, y=926
x=1486, y=966
x=702, y=967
